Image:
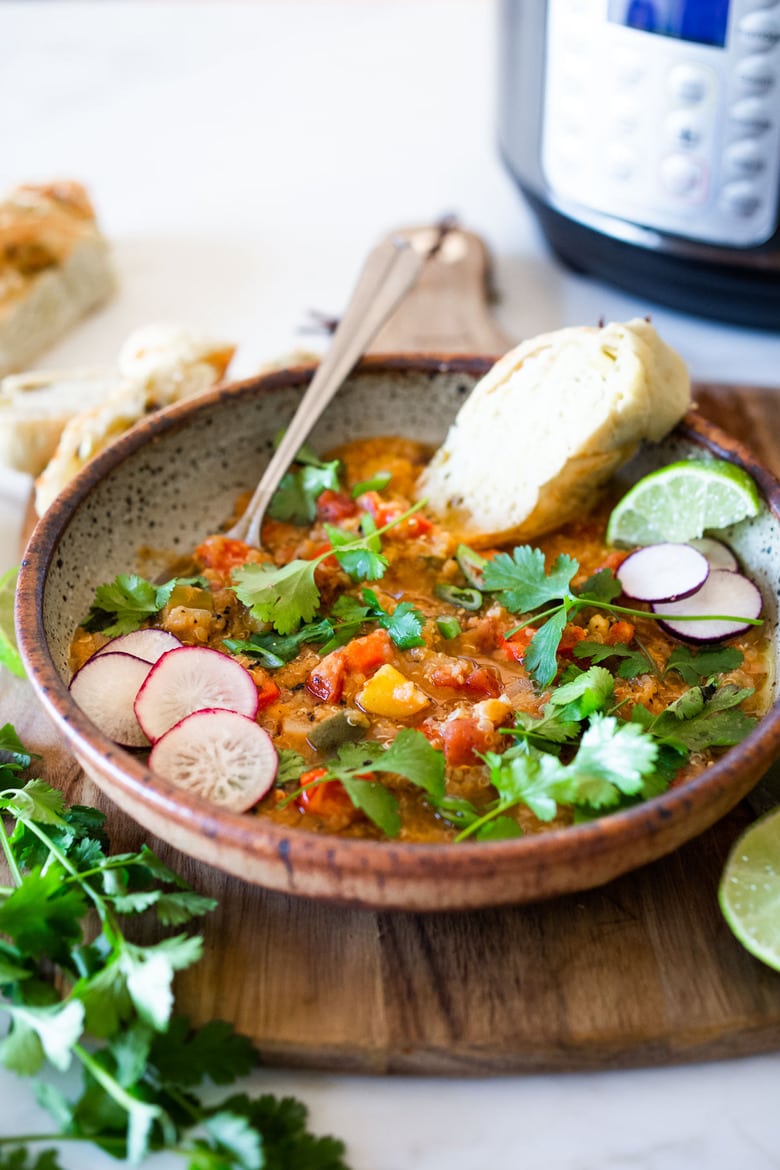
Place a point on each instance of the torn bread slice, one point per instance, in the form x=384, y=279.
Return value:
x=35, y=408
x=159, y=365
x=547, y=426
x=54, y=268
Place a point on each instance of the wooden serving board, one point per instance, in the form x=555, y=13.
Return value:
x=641, y=971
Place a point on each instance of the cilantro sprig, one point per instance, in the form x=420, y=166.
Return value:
x=126, y=603
x=409, y=755
x=522, y=585
x=75, y=989
x=288, y=595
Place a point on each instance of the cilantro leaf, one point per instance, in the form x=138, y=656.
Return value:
x=274, y=650
x=37, y=802
x=360, y=560
x=188, y=1056
x=618, y=755
x=295, y=500
x=632, y=662
x=57, y=1027
x=11, y=745
x=377, y=483
x=124, y=604
x=292, y=765
x=499, y=829
x=697, y=720
x=521, y=580
x=540, y=657
x=41, y=916
x=588, y=692
x=696, y=666
x=412, y=755
x=404, y=624
x=602, y=586
x=376, y=801
x=287, y=1145
x=284, y=596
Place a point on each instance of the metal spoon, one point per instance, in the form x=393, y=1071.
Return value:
x=388, y=274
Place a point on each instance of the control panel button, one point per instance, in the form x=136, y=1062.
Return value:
x=761, y=29
x=755, y=75
x=740, y=199
x=682, y=175
x=752, y=116
x=691, y=84
x=744, y=160
x=685, y=129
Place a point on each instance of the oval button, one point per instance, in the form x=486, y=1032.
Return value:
x=740, y=199
x=755, y=75
x=744, y=160
x=752, y=116
x=682, y=175
x=691, y=84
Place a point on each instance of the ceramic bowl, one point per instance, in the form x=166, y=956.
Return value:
x=172, y=480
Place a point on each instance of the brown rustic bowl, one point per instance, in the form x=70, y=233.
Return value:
x=173, y=479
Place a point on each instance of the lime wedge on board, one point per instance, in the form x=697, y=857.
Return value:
x=683, y=501
x=749, y=893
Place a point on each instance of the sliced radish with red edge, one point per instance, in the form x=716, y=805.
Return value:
x=724, y=592
x=193, y=678
x=717, y=553
x=105, y=689
x=149, y=644
x=663, y=572
x=218, y=755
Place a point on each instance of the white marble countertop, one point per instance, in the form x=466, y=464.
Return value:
x=243, y=157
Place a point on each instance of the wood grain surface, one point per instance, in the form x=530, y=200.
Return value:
x=641, y=971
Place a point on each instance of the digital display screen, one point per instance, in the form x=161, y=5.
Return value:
x=702, y=21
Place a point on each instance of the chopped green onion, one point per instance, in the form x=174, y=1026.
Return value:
x=471, y=565
x=463, y=598
x=449, y=627
x=377, y=483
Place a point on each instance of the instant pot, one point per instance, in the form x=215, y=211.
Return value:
x=646, y=136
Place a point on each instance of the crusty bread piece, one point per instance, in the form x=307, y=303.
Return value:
x=545, y=428
x=54, y=268
x=158, y=365
x=35, y=407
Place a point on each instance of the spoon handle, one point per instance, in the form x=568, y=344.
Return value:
x=389, y=272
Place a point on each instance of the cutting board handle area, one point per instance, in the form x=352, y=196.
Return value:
x=447, y=311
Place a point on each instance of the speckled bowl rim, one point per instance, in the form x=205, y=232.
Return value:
x=398, y=866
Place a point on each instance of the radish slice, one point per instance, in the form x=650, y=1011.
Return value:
x=105, y=689
x=663, y=572
x=192, y=678
x=149, y=644
x=724, y=592
x=218, y=755
x=717, y=553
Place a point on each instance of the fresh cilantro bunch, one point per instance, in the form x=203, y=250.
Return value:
x=76, y=990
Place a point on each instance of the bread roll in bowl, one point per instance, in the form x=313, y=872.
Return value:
x=547, y=426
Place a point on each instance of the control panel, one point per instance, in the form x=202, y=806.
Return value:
x=666, y=113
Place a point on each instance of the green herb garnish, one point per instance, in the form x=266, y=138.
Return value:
x=377, y=483
x=77, y=991
x=288, y=595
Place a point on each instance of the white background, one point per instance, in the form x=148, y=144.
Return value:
x=243, y=158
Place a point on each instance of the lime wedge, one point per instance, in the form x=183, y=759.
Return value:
x=9, y=655
x=749, y=893
x=683, y=501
